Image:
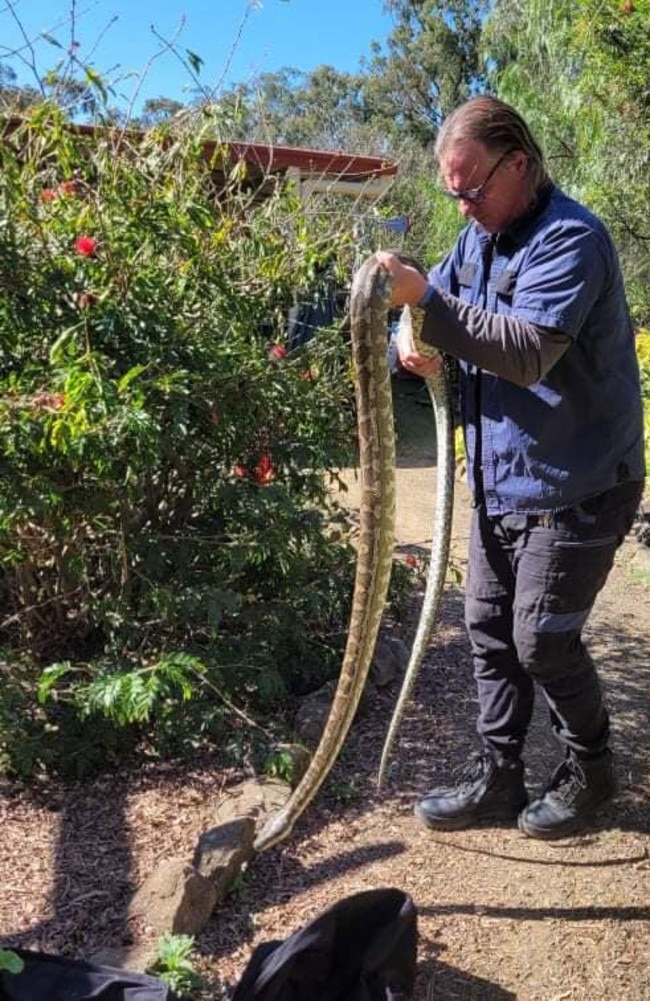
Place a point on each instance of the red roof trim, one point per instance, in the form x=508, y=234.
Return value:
x=273, y=158
x=313, y=160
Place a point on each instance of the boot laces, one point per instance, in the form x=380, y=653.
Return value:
x=467, y=775
x=568, y=781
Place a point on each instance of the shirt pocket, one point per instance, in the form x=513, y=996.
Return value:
x=504, y=289
x=467, y=280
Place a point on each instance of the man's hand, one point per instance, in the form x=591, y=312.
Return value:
x=409, y=284
x=411, y=359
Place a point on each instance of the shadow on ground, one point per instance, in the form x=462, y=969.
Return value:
x=90, y=873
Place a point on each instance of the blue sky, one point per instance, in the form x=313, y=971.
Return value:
x=237, y=39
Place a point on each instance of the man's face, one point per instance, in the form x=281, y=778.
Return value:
x=490, y=186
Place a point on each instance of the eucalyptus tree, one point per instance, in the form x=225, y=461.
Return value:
x=431, y=63
x=579, y=73
x=319, y=108
x=157, y=110
x=15, y=97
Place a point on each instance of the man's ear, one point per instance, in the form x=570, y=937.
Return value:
x=520, y=162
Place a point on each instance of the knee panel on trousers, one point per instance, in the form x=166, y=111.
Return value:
x=546, y=655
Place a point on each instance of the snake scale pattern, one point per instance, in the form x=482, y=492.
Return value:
x=370, y=302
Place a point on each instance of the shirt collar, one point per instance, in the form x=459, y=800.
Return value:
x=520, y=229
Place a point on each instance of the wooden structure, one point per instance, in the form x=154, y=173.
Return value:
x=310, y=170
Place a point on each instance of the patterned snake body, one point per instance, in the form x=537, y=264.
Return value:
x=369, y=313
x=438, y=387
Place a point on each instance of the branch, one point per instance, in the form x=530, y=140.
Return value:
x=644, y=237
x=28, y=45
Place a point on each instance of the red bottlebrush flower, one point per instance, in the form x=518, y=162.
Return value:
x=411, y=561
x=240, y=472
x=264, y=470
x=86, y=246
x=278, y=351
x=49, y=195
x=68, y=187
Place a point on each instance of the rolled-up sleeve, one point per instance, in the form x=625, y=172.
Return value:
x=562, y=278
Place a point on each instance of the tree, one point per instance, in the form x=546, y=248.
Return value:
x=157, y=110
x=431, y=65
x=13, y=97
x=319, y=109
x=579, y=73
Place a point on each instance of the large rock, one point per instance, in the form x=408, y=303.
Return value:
x=314, y=710
x=390, y=661
x=256, y=799
x=174, y=898
x=223, y=851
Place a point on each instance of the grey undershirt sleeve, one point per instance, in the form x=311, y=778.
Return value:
x=513, y=349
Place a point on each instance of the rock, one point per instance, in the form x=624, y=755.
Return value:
x=310, y=718
x=301, y=757
x=257, y=799
x=390, y=661
x=298, y=759
x=174, y=898
x=223, y=851
x=314, y=710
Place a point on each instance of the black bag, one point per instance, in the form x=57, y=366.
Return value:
x=361, y=949
x=57, y=978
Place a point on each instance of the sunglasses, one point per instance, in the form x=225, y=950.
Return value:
x=475, y=195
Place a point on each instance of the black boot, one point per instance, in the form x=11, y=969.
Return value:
x=576, y=789
x=488, y=788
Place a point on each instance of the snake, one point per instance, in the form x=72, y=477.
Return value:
x=369, y=307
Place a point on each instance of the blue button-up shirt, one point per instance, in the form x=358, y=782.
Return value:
x=579, y=430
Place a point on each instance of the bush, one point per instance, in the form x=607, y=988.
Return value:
x=166, y=533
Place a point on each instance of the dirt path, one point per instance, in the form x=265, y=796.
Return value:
x=501, y=916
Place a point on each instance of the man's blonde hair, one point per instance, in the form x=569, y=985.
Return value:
x=499, y=127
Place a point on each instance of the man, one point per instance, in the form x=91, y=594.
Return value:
x=531, y=301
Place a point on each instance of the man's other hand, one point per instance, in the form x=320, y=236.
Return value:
x=408, y=284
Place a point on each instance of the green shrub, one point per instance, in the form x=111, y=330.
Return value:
x=167, y=540
x=174, y=965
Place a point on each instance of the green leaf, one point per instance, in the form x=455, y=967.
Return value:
x=96, y=81
x=195, y=61
x=49, y=678
x=10, y=962
x=129, y=376
x=51, y=40
x=56, y=351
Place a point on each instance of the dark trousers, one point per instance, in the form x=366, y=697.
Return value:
x=532, y=582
